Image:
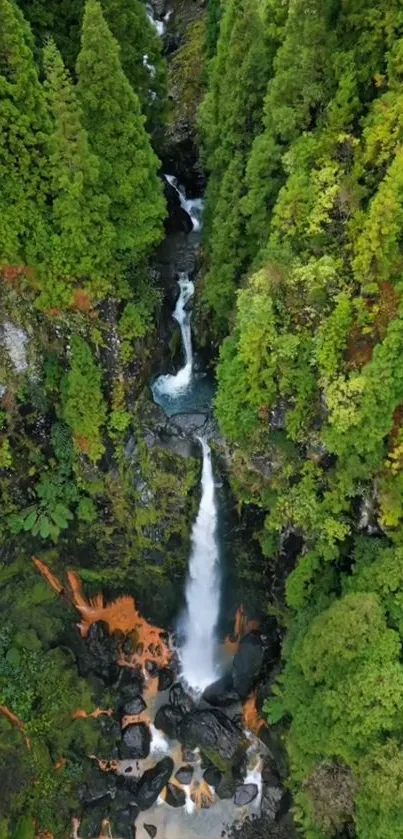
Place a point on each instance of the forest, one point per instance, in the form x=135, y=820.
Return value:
x=296, y=113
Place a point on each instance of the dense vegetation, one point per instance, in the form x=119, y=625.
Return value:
x=302, y=134
x=81, y=209
x=301, y=138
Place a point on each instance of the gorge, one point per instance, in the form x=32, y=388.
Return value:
x=201, y=419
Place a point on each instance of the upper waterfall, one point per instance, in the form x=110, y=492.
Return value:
x=198, y=653
x=170, y=385
x=192, y=206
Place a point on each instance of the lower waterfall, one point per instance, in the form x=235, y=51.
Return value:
x=198, y=653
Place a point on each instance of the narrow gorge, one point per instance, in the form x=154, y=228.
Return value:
x=201, y=419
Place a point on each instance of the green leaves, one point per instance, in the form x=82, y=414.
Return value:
x=127, y=165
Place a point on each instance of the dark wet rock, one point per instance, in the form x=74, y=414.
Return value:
x=175, y=796
x=221, y=693
x=180, y=699
x=248, y=663
x=130, y=685
x=226, y=787
x=100, y=654
x=98, y=785
x=212, y=776
x=153, y=781
x=91, y=821
x=184, y=775
x=244, y=794
x=188, y=424
x=165, y=678
x=136, y=739
x=257, y=828
x=212, y=731
x=134, y=706
x=151, y=830
x=123, y=823
x=167, y=720
x=275, y=800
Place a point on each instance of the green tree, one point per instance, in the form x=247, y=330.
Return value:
x=115, y=125
x=82, y=235
x=24, y=128
x=83, y=405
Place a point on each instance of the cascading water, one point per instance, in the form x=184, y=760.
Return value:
x=169, y=385
x=192, y=206
x=198, y=653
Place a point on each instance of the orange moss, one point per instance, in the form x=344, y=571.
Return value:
x=15, y=721
x=82, y=443
x=383, y=309
x=122, y=616
x=201, y=794
x=130, y=719
x=53, y=312
x=397, y=422
x=53, y=581
x=60, y=764
x=242, y=625
x=105, y=765
x=250, y=715
x=81, y=301
x=12, y=274
x=81, y=714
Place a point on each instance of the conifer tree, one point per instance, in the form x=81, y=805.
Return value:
x=113, y=119
x=140, y=55
x=82, y=239
x=230, y=119
x=24, y=128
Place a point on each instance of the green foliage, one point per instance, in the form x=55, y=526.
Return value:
x=62, y=20
x=313, y=232
x=83, y=237
x=83, y=405
x=24, y=128
x=115, y=125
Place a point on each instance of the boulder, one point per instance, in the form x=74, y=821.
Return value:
x=226, y=787
x=136, y=739
x=101, y=654
x=123, y=824
x=167, y=719
x=248, y=663
x=151, y=830
x=184, y=775
x=99, y=786
x=188, y=424
x=91, y=821
x=165, y=678
x=212, y=776
x=213, y=732
x=180, y=699
x=275, y=800
x=153, y=781
x=175, y=796
x=134, y=706
x=221, y=693
x=245, y=793
x=130, y=686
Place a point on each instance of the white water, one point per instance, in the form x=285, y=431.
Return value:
x=158, y=24
x=192, y=206
x=199, y=651
x=159, y=745
x=173, y=385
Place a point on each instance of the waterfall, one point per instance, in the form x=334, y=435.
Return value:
x=198, y=652
x=173, y=385
x=192, y=206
